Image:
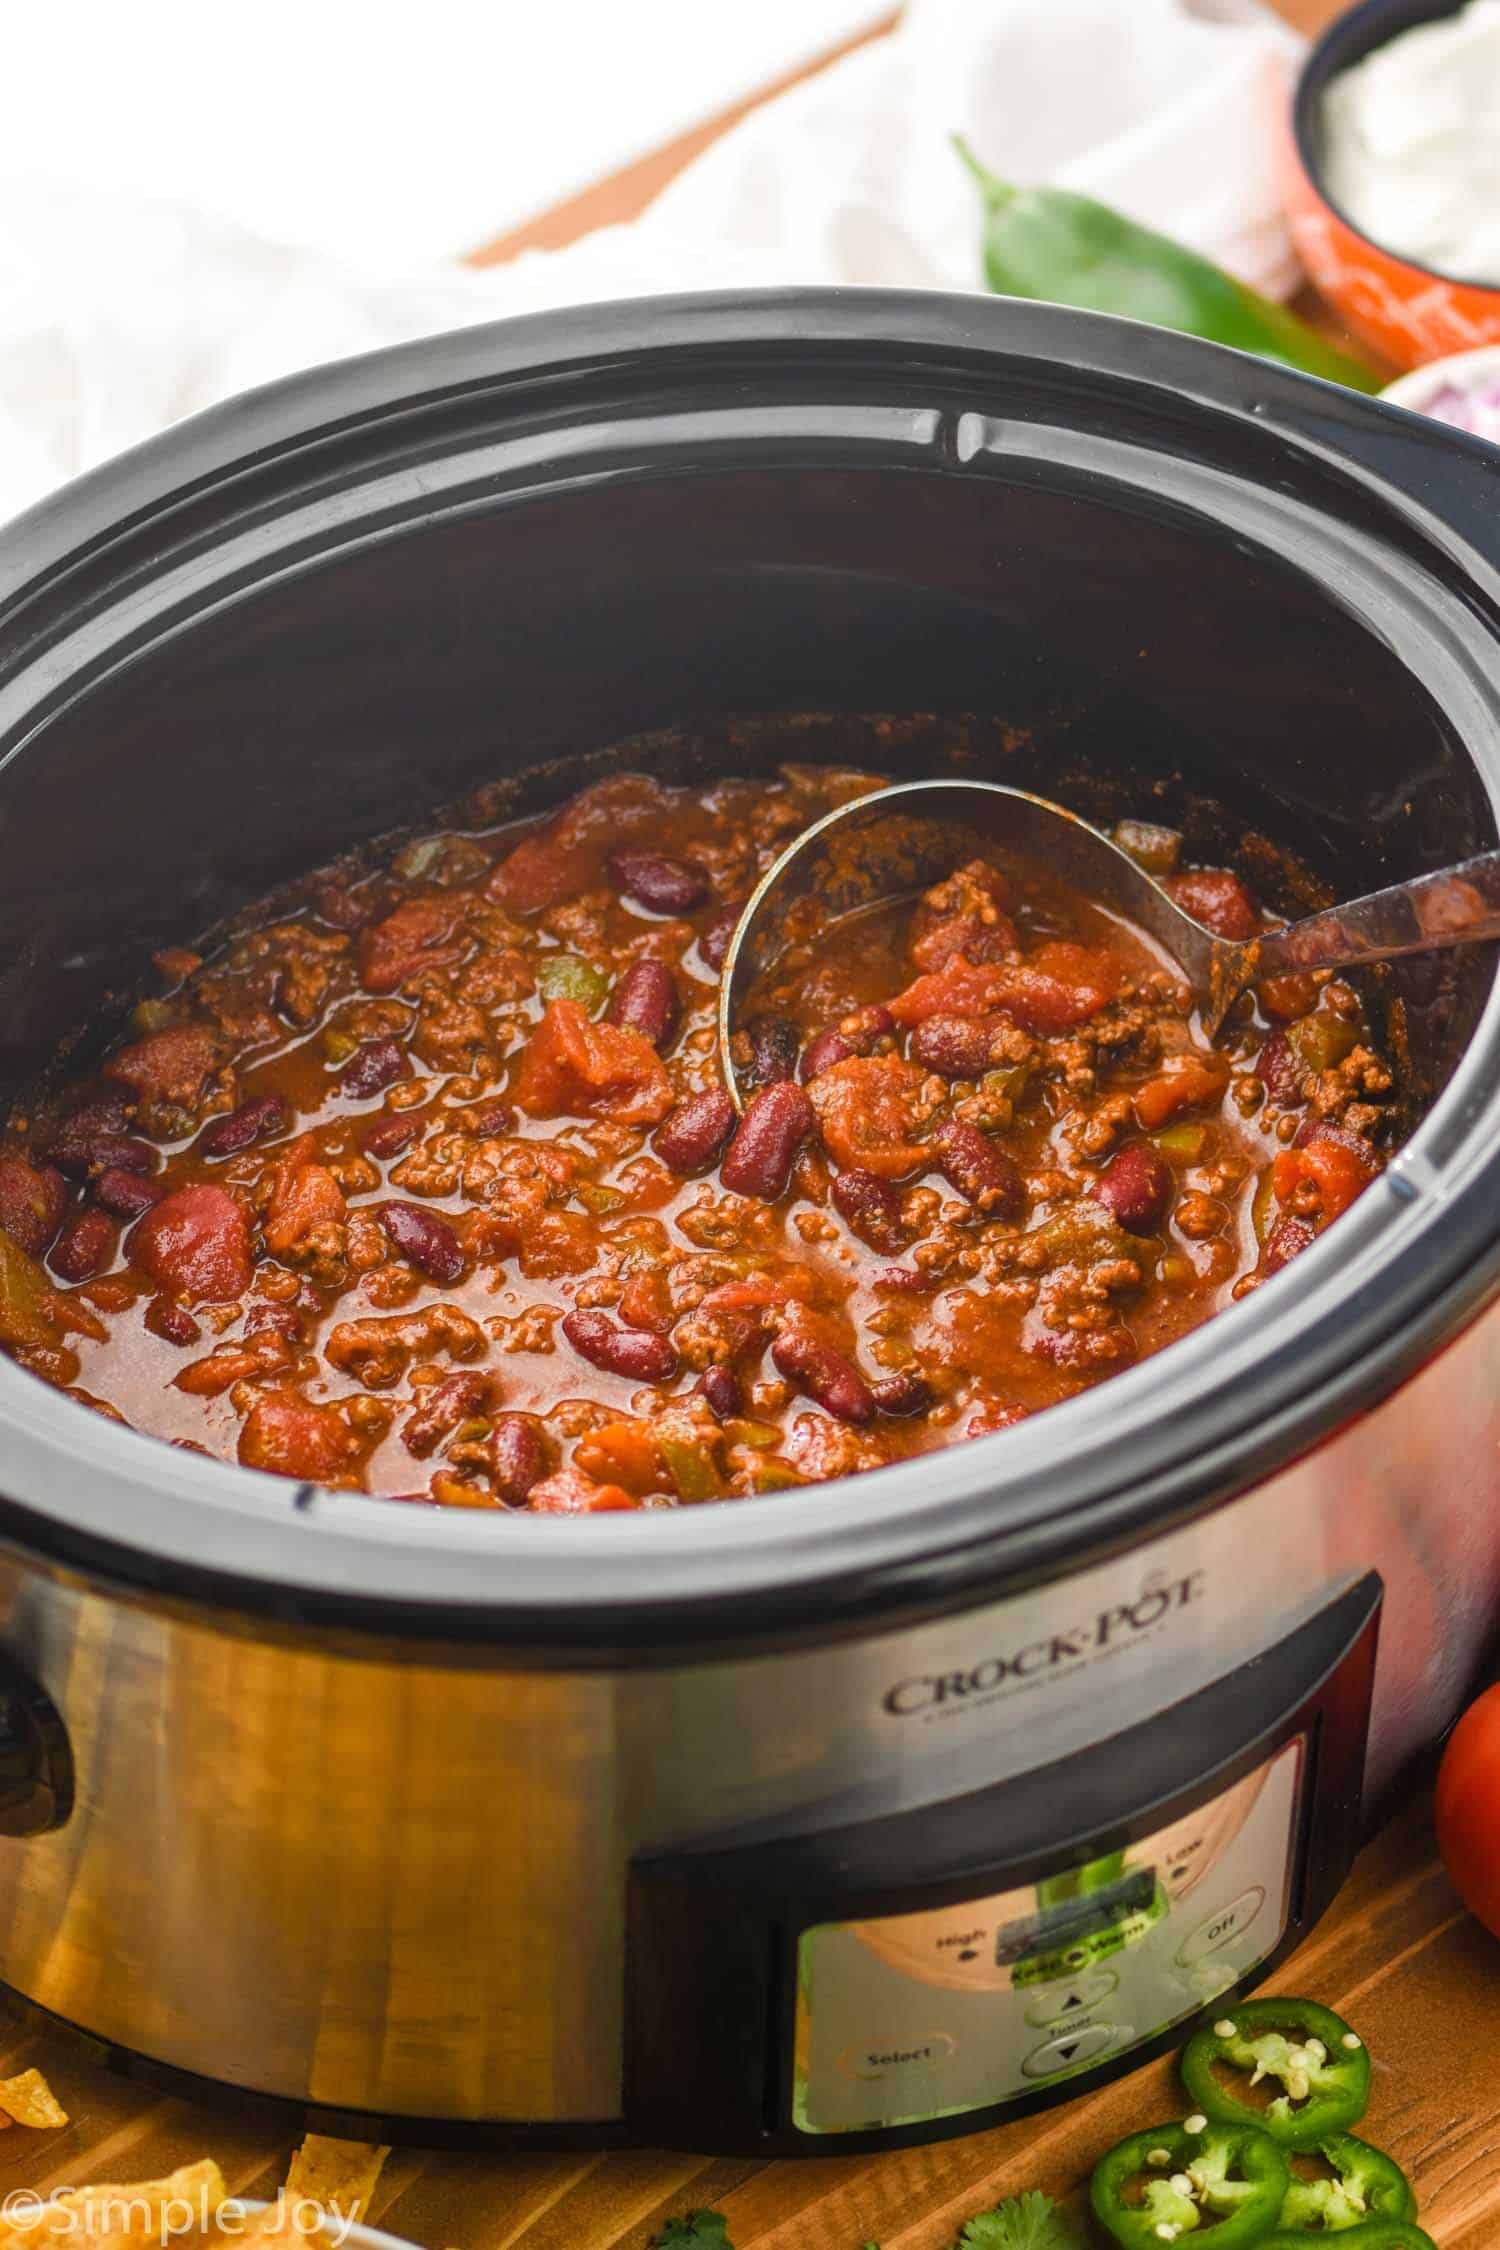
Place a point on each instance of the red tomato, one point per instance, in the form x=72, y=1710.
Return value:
x=573, y=1068
x=195, y=1245
x=1467, y=1809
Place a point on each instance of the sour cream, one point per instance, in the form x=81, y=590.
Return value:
x=1411, y=144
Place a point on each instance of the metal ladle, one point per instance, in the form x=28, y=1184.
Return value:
x=917, y=832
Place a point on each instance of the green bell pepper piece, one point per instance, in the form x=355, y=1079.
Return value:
x=1323, y=2070
x=1230, y=2178
x=1371, y=2234
x=567, y=976
x=1366, y=2184
x=1049, y=243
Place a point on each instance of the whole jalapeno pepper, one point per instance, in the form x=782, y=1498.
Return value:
x=1365, y=2184
x=1070, y=250
x=1322, y=2067
x=1158, y=2185
x=1370, y=2234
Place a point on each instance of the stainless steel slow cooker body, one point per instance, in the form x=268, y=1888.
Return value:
x=335, y=1801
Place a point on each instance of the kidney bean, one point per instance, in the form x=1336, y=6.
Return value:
x=714, y=937
x=425, y=1241
x=251, y=1122
x=1286, y=1240
x=775, y=1045
x=84, y=1247
x=645, y=1000
x=871, y=1208
x=828, y=1048
x=173, y=1323
x=79, y=1152
x=900, y=1281
x=696, y=1130
x=1217, y=899
x=1135, y=1187
x=104, y=1112
x=633, y=1352
x=485, y=1119
x=124, y=1193
x=829, y=1379
x=720, y=1387
x=953, y=1046
x=1279, y=1071
x=377, y=1064
x=979, y=1169
x=759, y=1159
x=277, y=1320
x=667, y=886
x=32, y=1203
x=517, y=1458
x=387, y=1135
x=904, y=1393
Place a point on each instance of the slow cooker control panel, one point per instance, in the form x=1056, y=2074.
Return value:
x=934, y=1970
x=907, y=2017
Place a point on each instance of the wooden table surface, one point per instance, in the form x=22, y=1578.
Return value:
x=1398, y=1954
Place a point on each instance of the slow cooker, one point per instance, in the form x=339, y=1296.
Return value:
x=875, y=1810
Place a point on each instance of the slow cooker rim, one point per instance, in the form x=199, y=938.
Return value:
x=920, y=1532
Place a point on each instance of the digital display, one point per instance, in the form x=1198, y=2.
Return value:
x=1063, y=1921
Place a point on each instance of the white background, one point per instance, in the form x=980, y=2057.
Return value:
x=404, y=131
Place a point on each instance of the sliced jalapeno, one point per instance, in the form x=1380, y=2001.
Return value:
x=1320, y=2065
x=1361, y=2183
x=1166, y=2182
x=1370, y=2234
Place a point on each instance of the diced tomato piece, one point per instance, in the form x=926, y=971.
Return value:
x=625, y=1454
x=419, y=935
x=304, y=1197
x=195, y=1245
x=759, y=1291
x=542, y=871
x=171, y=1066
x=1339, y=1170
x=1058, y=986
x=568, y=1492
x=959, y=988
x=871, y=1111
x=1286, y=998
x=1183, y=1082
x=571, y=1067
x=293, y=1437
x=1217, y=899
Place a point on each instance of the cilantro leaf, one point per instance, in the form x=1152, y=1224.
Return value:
x=700, y=2230
x=1022, y=2222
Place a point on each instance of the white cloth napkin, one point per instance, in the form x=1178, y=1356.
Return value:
x=117, y=318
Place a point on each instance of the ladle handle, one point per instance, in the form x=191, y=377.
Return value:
x=1452, y=907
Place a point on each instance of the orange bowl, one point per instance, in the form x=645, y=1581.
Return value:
x=1406, y=312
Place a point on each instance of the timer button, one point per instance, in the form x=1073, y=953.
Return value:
x=1071, y=2049
x=1222, y=1928
x=1071, y=1997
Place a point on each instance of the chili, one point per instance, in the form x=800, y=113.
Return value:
x=425, y=1183
x=1157, y=2185
x=1321, y=2067
x=1069, y=249
x=1354, y=2182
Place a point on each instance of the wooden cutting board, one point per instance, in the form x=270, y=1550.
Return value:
x=1397, y=1954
